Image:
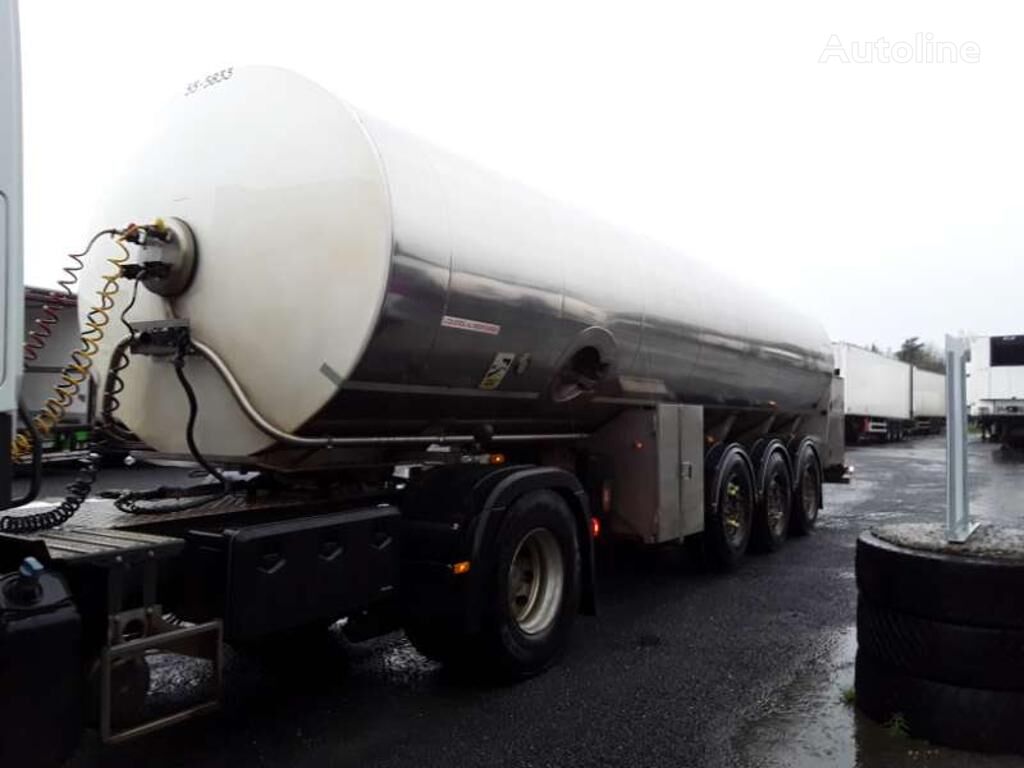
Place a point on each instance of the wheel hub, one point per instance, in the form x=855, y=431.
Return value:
x=535, y=581
x=775, y=506
x=734, y=513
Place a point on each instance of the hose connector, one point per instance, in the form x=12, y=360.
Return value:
x=167, y=256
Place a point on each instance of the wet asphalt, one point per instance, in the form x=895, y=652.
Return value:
x=680, y=667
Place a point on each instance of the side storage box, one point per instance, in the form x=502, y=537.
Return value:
x=282, y=575
x=655, y=460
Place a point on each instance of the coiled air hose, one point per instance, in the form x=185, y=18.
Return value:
x=42, y=325
x=72, y=377
x=77, y=370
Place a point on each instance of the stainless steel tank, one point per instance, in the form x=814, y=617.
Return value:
x=359, y=281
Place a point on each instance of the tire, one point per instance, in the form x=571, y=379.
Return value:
x=954, y=654
x=775, y=501
x=527, y=627
x=976, y=591
x=513, y=644
x=965, y=718
x=729, y=510
x=806, y=491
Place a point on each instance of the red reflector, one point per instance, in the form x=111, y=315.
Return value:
x=595, y=527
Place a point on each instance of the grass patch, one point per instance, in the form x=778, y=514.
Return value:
x=849, y=696
x=897, y=726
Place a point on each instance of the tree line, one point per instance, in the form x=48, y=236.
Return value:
x=924, y=355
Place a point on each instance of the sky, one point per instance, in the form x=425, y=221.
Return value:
x=817, y=150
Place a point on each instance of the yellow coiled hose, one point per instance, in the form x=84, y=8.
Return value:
x=78, y=369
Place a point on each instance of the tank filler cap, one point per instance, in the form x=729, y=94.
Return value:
x=169, y=258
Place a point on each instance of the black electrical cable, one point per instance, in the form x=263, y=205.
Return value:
x=112, y=387
x=85, y=252
x=72, y=272
x=119, y=362
x=131, y=303
x=36, y=481
x=129, y=502
x=193, y=414
x=77, y=492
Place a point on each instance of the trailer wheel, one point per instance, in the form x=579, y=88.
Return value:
x=729, y=511
x=771, y=519
x=531, y=595
x=806, y=491
x=534, y=586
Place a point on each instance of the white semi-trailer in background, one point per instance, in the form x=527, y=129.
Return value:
x=929, y=401
x=877, y=393
x=887, y=399
x=995, y=387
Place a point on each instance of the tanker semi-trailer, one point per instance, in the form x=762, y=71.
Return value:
x=440, y=386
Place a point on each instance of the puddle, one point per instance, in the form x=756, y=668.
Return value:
x=403, y=664
x=811, y=725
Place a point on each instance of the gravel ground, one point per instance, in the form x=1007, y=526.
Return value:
x=680, y=668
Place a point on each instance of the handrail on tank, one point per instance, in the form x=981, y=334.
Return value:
x=261, y=423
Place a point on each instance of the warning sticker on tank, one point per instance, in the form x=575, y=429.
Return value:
x=477, y=326
x=497, y=370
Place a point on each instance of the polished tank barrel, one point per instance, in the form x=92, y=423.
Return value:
x=358, y=281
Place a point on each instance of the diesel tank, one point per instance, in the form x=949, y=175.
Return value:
x=357, y=281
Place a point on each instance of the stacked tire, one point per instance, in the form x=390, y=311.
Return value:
x=940, y=638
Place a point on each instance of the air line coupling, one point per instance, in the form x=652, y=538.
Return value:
x=167, y=256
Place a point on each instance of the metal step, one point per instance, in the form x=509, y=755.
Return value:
x=80, y=545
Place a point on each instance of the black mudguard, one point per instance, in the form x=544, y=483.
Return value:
x=453, y=513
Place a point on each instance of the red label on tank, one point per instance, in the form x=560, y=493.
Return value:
x=476, y=326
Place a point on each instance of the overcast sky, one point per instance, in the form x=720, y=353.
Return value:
x=885, y=197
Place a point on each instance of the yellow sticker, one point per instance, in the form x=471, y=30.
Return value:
x=497, y=370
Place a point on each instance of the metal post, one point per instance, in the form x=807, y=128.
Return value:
x=958, y=517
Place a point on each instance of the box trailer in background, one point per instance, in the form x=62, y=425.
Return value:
x=995, y=387
x=877, y=393
x=929, y=401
